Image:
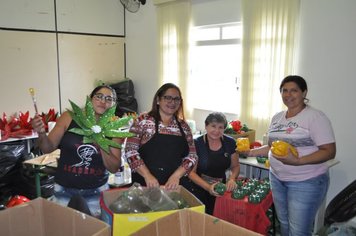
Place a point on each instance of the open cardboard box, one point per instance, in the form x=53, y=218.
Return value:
x=41, y=217
x=188, y=223
x=125, y=224
x=251, y=135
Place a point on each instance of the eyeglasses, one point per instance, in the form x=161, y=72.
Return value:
x=102, y=98
x=170, y=98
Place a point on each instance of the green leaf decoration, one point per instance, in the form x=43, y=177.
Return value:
x=117, y=134
x=90, y=111
x=84, y=132
x=107, y=116
x=87, y=140
x=124, y=121
x=102, y=130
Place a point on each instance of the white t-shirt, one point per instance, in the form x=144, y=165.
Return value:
x=306, y=131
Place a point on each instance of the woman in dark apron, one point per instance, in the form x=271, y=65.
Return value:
x=162, y=152
x=217, y=154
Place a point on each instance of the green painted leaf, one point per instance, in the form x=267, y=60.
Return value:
x=117, y=134
x=87, y=139
x=107, y=116
x=76, y=119
x=89, y=110
x=119, y=123
x=80, y=115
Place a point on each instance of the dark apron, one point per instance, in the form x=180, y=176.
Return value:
x=162, y=155
x=217, y=162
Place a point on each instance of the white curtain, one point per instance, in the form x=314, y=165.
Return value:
x=270, y=32
x=173, y=19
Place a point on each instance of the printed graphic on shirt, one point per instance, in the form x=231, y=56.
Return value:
x=85, y=152
x=291, y=133
x=85, y=164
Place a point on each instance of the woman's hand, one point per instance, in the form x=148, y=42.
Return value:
x=290, y=159
x=231, y=185
x=172, y=183
x=38, y=125
x=211, y=189
x=151, y=181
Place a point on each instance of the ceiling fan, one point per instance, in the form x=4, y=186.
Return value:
x=133, y=5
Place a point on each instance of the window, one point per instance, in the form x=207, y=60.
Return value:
x=216, y=67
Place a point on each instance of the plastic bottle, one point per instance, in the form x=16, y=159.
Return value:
x=119, y=176
x=127, y=173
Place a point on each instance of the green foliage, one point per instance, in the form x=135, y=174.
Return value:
x=99, y=131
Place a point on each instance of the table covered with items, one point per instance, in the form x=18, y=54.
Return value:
x=248, y=206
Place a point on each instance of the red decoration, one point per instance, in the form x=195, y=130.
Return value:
x=17, y=200
x=50, y=116
x=18, y=127
x=12, y=128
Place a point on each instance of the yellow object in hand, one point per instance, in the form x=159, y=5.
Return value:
x=243, y=144
x=280, y=148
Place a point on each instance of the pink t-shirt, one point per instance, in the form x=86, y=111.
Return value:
x=306, y=131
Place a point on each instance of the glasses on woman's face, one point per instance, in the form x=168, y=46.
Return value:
x=102, y=98
x=168, y=98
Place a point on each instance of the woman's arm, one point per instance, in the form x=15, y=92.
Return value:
x=202, y=183
x=50, y=143
x=189, y=161
x=260, y=151
x=133, y=156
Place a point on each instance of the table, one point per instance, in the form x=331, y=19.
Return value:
x=27, y=138
x=253, y=169
x=45, y=164
x=250, y=168
x=240, y=212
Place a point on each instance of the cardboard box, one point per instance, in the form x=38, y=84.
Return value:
x=125, y=224
x=186, y=223
x=251, y=135
x=41, y=217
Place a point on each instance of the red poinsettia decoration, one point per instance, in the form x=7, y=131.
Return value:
x=12, y=129
x=25, y=120
x=236, y=127
x=48, y=117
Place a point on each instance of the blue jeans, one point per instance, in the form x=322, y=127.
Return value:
x=296, y=203
x=62, y=196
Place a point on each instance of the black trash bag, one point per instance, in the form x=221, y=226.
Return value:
x=27, y=183
x=10, y=154
x=343, y=206
x=126, y=101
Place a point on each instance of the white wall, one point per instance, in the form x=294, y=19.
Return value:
x=327, y=48
x=142, y=54
x=327, y=61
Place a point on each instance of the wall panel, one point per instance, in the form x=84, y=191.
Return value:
x=28, y=59
x=84, y=60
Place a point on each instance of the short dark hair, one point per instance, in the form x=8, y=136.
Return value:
x=216, y=117
x=104, y=86
x=154, y=112
x=300, y=81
